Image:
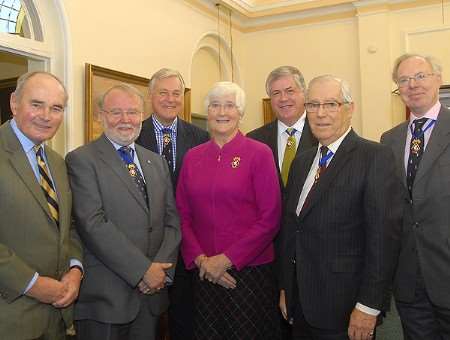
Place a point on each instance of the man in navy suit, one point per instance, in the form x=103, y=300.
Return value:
x=342, y=216
x=167, y=134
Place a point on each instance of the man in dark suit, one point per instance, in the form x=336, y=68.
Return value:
x=167, y=134
x=421, y=147
x=285, y=86
x=40, y=253
x=339, y=225
x=125, y=213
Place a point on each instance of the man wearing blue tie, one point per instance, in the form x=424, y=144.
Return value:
x=125, y=213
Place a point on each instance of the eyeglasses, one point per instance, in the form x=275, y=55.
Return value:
x=227, y=107
x=418, y=78
x=331, y=106
x=116, y=113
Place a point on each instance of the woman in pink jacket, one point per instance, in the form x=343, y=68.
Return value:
x=228, y=197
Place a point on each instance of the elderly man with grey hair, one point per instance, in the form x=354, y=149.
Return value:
x=341, y=216
x=289, y=133
x=165, y=133
x=422, y=150
x=124, y=210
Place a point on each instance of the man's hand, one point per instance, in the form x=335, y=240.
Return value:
x=282, y=304
x=227, y=281
x=361, y=325
x=47, y=290
x=71, y=280
x=155, y=275
x=214, y=267
x=144, y=289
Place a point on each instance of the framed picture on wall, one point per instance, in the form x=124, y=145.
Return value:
x=99, y=79
x=269, y=116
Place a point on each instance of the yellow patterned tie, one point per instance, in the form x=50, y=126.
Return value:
x=289, y=154
x=47, y=184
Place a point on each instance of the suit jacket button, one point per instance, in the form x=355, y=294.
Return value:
x=293, y=260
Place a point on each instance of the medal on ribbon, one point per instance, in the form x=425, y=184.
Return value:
x=415, y=146
x=132, y=169
x=166, y=139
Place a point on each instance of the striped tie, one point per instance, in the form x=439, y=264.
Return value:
x=47, y=184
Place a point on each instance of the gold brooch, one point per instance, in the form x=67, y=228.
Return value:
x=235, y=162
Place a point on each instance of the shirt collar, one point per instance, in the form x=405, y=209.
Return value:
x=159, y=126
x=27, y=143
x=298, y=125
x=432, y=113
x=333, y=147
x=118, y=146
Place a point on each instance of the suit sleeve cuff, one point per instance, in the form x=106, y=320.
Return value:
x=31, y=283
x=367, y=310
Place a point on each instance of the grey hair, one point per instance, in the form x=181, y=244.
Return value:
x=163, y=74
x=283, y=71
x=346, y=92
x=127, y=88
x=22, y=80
x=224, y=88
x=433, y=62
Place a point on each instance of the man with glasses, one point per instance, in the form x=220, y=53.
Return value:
x=341, y=214
x=125, y=213
x=168, y=135
x=422, y=149
x=289, y=133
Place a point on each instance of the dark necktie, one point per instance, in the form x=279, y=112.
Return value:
x=126, y=153
x=289, y=154
x=415, y=152
x=47, y=184
x=324, y=156
x=167, y=147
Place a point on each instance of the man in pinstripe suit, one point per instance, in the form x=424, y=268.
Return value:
x=340, y=224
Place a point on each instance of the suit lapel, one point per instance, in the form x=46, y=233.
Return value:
x=182, y=145
x=109, y=155
x=398, y=145
x=272, y=140
x=307, y=140
x=60, y=182
x=21, y=165
x=297, y=186
x=339, y=160
x=439, y=140
x=149, y=173
x=147, y=138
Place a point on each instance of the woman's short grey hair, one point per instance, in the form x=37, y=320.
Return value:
x=346, y=92
x=225, y=88
x=163, y=74
x=127, y=88
x=433, y=62
x=22, y=80
x=283, y=71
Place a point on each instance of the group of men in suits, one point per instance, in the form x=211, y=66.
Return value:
x=357, y=214
x=361, y=217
